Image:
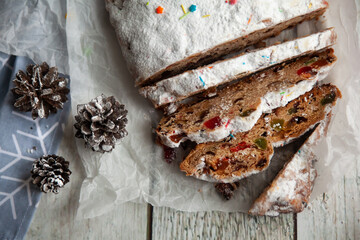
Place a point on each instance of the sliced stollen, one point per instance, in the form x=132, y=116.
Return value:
x=192, y=82
x=247, y=153
x=237, y=107
x=227, y=190
x=290, y=191
x=162, y=42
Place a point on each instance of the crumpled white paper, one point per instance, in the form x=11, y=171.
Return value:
x=36, y=29
x=135, y=170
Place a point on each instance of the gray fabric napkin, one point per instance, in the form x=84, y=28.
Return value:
x=22, y=140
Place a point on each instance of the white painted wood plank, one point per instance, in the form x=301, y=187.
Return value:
x=335, y=215
x=170, y=224
x=55, y=216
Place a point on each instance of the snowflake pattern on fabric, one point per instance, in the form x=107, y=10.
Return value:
x=22, y=140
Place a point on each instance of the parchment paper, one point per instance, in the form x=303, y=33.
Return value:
x=36, y=29
x=135, y=170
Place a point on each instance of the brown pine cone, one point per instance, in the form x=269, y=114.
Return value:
x=40, y=90
x=50, y=173
x=101, y=123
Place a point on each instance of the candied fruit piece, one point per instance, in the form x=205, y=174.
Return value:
x=176, y=138
x=298, y=119
x=306, y=72
x=329, y=98
x=261, y=143
x=240, y=146
x=277, y=124
x=247, y=112
x=213, y=123
x=314, y=59
x=292, y=111
x=222, y=164
x=320, y=63
x=169, y=154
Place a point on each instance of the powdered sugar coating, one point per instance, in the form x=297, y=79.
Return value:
x=294, y=182
x=234, y=178
x=320, y=130
x=151, y=42
x=269, y=101
x=298, y=170
x=188, y=83
x=287, y=185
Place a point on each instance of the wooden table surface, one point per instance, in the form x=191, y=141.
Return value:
x=334, y=215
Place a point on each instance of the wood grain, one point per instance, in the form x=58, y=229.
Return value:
x=170, y=224
x=335, y=215
x=55, y=216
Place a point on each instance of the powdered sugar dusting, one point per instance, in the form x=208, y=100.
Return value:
x=293, y=182
x=186, y=84
x=269, y=101
x=151, y=42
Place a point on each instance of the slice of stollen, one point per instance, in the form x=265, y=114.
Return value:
x=238, y=107
x=162, y=39
x=247, y=153
x=192, y=82
x=290, y=191
x=227, y=190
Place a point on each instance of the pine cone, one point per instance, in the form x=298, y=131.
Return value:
x=50, y=173
x=40, y=90
x=101, y=123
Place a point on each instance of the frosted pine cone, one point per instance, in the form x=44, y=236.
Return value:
x=40, y=90
x=50, y=173
x=101, y=123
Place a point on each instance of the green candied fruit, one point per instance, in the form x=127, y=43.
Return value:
x=261, y=143
x=247, y=113
x=277, y=124
x=314, y=59
x=292, y=111
x=329, y=98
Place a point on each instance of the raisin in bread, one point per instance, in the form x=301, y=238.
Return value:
x=227, y=190
x=290, y=191
x=158, y=44
x=250, y=152
x=237, y=107
x=192, y=82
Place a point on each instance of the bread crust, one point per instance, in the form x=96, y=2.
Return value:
x=237, y=107
x=290, y=190
x=250, y=152
x=158, y=46
x=189, y=83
